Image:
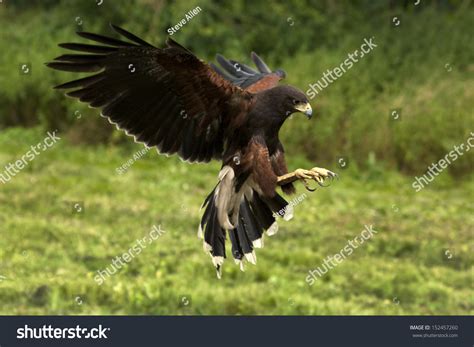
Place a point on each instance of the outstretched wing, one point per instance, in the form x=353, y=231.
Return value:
x=246, y=77
x=166, y=98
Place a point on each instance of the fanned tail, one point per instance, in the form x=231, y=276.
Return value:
x=256, y=215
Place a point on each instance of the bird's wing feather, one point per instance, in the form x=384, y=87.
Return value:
x=247, y=78
x=166, y=98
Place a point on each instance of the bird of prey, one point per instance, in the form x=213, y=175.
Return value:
x=169, y=99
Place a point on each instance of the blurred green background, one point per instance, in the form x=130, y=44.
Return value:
x=421, y=261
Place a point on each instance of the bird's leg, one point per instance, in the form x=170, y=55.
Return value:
x=316, y=173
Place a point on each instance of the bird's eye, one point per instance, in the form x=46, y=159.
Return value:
x=295, y=101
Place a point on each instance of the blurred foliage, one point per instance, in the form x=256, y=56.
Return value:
x=424, y=66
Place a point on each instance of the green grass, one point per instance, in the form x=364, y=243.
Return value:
x=49, y=255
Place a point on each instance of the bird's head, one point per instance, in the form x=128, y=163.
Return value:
x=293, y=100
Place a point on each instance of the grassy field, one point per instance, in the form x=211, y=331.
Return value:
x=420, y=262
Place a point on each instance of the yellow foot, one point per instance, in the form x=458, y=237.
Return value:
x=316, y=173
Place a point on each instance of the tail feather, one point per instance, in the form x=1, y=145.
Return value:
x=237, y=251
x=262, y=212
x=243, y=238
x=247, y=218
x=256, y=214
x=214, y=235
x=279, y=207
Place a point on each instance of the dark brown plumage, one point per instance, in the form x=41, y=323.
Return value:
x=169, y=99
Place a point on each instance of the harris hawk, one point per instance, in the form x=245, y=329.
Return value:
x=169, y=99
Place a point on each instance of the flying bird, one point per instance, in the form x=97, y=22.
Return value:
x=169, y=99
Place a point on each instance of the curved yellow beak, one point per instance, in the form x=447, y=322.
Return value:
x=305, y=108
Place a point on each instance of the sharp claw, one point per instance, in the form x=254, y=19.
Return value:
x=308, y=188
x=322, y=185
x=306, y=184
x=319, y=175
